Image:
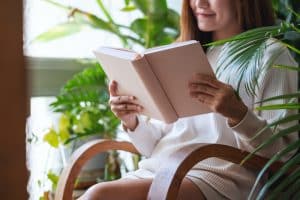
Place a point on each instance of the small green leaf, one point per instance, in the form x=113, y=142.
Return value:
x=64, y=135
x=128, y=8
x=64, y=123
x=53, y=178
x=51, y=138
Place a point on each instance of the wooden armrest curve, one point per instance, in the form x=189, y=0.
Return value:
x=80, y=157
x=168, y=179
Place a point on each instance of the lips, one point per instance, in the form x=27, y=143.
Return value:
x=205, y=14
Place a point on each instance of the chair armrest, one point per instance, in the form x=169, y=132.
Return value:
x=80, y=157
x=168, y=179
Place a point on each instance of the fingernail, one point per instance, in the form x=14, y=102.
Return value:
x=132, y=98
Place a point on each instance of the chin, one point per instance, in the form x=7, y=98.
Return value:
x=206, y=27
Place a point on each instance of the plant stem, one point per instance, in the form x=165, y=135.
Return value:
x=101, y=5
x=58, y=5
x=110, y=19
x=134, y=39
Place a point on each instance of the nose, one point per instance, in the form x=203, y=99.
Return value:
x=202, y=3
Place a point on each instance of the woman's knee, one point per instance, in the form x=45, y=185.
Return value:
x=99, y=191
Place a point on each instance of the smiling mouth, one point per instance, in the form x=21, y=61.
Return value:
x=205, y=14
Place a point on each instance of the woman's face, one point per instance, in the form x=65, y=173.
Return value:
x=214, y=15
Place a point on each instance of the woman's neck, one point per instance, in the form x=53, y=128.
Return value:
x=226, y=33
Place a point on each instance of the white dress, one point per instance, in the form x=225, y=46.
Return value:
x=218, y=178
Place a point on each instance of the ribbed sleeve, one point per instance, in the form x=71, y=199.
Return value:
x=146, y=135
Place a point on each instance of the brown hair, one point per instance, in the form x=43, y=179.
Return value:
x=251, y=14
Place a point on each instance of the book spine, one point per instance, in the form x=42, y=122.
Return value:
x=154, y=88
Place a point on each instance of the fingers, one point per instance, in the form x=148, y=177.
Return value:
x=203, y=98
x=206, y=79
x=121, y=99
x=121, y=114
x=202, y=88
x=113, y=88
x=126, y=107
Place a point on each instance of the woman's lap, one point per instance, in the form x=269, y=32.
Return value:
x=132, y=189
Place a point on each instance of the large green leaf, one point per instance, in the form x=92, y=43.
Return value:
x=155, y=9
x=173, y=20
x=139, y=26
x=60, y=31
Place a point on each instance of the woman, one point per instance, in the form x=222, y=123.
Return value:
x=233, y=121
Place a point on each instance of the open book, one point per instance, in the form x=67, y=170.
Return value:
x=158, y=77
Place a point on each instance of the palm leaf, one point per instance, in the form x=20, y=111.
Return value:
x=294, y=190
x=284, y=169
x=284, y=120
x=261, y=32
x=286, y=106
x=278, y=156
x=280, y=97
x=245, y=60
x=242, y=55
x=294, y=49
x=287, y=67
x=284, y=184
x=273, y=138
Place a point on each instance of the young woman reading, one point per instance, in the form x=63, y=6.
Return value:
x=233, y=120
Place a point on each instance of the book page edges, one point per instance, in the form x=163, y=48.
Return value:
x=155, y=90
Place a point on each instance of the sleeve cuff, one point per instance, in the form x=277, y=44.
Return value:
x=141, y=124
x=249, y=125
x=143, y=137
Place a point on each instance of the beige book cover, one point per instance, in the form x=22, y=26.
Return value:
x=158, y=77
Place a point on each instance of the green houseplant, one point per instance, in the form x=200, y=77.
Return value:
x=287, y=32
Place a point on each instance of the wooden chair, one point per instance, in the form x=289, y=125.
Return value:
x=168, y=179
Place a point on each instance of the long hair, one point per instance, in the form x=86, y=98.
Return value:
x=251, y=14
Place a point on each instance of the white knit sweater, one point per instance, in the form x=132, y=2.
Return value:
x=156, y=140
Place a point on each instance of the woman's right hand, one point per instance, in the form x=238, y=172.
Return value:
x=124, y=107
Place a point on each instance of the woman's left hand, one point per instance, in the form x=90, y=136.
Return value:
x=219, y=97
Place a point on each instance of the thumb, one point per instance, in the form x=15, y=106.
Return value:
x=113, y=88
